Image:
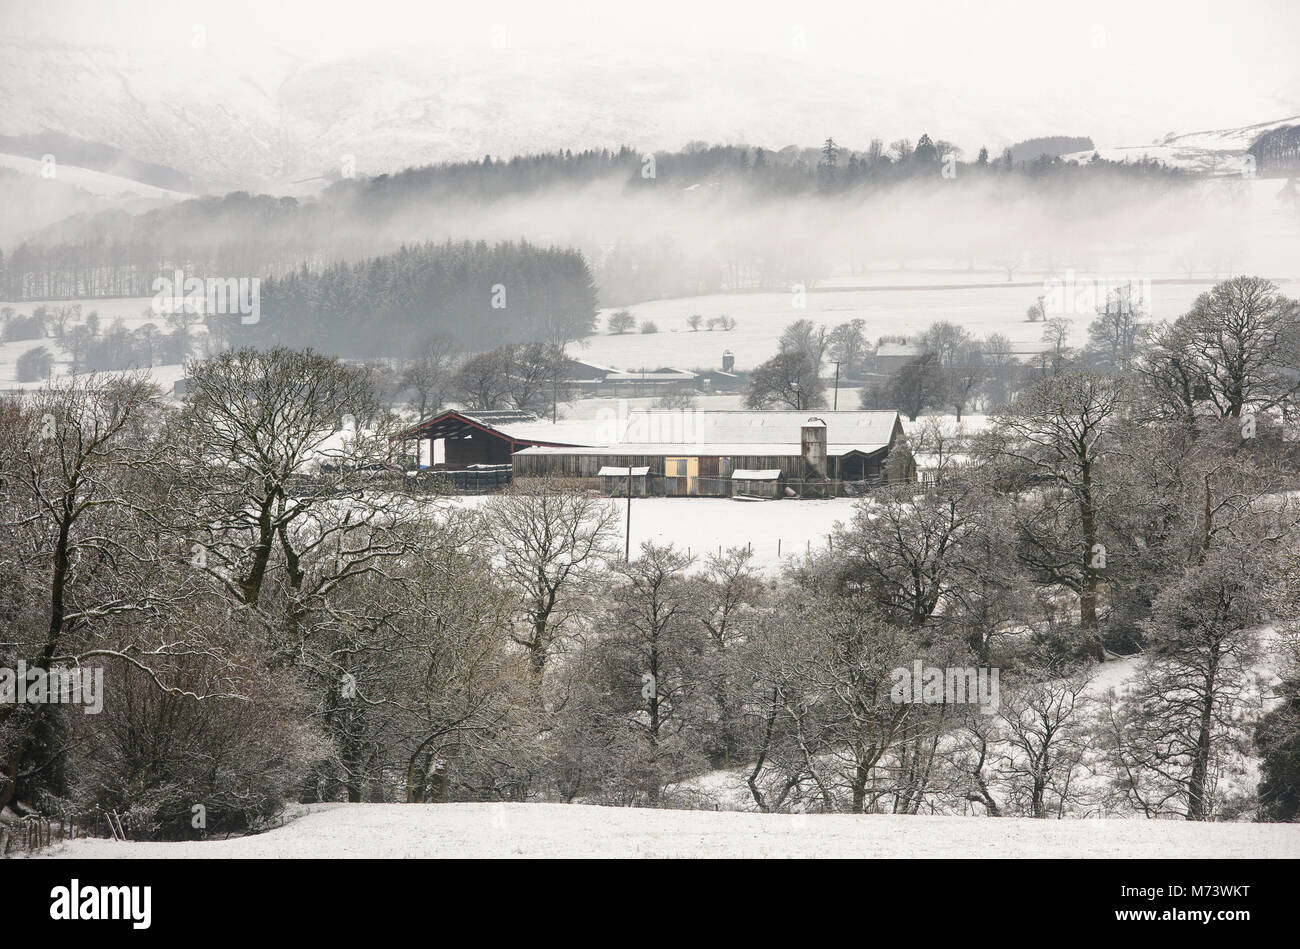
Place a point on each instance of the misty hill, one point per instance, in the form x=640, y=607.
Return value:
x=262, y=119
x=705, y=219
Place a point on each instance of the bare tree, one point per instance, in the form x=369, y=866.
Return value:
x=81, y=527
x=1057, y=435
x=1237, y=349
x=1043, y=721
x=1185, y=717
x=551, y=541
x=270, y=445
x=788, y=380
x=429, y=373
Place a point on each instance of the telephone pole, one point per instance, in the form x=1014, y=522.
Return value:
x=627, y=540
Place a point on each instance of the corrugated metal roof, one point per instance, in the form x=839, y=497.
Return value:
x=694, y=449
x=676, y=375
x=859, y=429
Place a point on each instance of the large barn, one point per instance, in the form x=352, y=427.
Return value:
x=687, y=453
x=699, y=453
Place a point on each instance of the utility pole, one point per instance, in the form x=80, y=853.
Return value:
x=627, y=540
x=836, y=405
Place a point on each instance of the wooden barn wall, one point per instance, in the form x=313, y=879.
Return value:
x=586, y=466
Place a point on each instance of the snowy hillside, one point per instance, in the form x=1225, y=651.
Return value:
x=119, y=192
x=1212, y=152
x=259, y=117
x=560, y=830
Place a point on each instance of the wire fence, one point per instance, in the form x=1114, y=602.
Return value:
x=768, y=546
x=770, y=489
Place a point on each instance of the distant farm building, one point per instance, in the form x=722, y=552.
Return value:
x=697, y=453
x=592, y=378
x=892, y=356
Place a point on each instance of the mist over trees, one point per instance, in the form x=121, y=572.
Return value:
x=597, y=202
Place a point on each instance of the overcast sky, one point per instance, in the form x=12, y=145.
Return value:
x=1199, y=64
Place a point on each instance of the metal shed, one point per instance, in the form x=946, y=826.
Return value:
x=756, y=483
x=614, y=480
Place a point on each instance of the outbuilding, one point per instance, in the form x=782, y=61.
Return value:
x=614, y=481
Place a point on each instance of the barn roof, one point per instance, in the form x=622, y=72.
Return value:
x=686, y=432
x=694, y=449
x=864, y=430
x=453, y=424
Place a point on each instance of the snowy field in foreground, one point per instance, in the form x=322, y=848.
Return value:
x=570, y=830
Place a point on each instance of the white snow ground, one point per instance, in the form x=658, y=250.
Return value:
x=698, y=526
x=573, y=830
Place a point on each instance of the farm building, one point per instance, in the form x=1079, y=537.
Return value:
x=648, y=382
x=697, y=453
x=614, y=481
x=459, y=441
x=687, y=453
x=765, y=483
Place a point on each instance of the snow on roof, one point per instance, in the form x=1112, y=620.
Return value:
x=566, y=431
x=694, y=449
x=610, y=471
x=899, y=349
x=700, y=432
x=756, y=474
x=865, y=430
x=660, y=375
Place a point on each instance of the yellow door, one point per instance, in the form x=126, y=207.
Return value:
x=687, y=472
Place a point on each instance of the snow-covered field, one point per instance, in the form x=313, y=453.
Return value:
x=760, y=317
x=134, y=312
x=573, y=830
x=700, y=525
